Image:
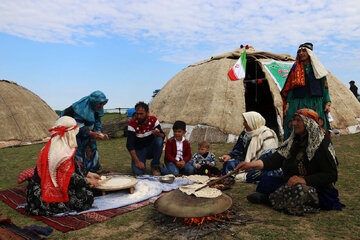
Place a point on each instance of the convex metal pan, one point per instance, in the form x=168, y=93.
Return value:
x=179, y=204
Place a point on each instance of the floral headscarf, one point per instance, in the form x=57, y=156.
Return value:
x=316, y=134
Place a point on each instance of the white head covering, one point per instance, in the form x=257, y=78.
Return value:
x=62, y=147
x=263, y=139
x=254, y=120
x=318, y=68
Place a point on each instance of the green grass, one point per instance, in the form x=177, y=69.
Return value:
x=112, y=117
x=139, y=225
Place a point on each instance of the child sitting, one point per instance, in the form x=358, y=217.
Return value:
x=178, y=152
x=204, y=161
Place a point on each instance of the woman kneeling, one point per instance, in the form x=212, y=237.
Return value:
x=60, y=184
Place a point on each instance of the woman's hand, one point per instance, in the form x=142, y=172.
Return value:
x=99, y=135
x=248, y=166
x=93, y=179
x=295, y=180
x=104, y=136
x=224, y=158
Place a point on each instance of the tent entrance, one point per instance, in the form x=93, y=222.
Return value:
x=258, y=96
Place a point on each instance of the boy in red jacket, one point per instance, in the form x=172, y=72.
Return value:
x=178, y=152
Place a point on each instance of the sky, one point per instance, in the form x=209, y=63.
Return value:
x=62, y=50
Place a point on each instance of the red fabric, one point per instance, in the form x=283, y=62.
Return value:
x=26, y=175
x=49, y=192
x=295, y=78
x=232, y=75
x=299, y=79
x=171, y=151
x=61, y=130
x=309, y=113
x=16, y=196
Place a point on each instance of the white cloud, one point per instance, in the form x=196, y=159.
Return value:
x=178, y=28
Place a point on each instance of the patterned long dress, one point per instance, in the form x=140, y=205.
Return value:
x=87, y=152
x=80, y=196
x=88, y=119
x=315, y=103
x=312, y=157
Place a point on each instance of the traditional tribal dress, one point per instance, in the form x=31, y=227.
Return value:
x=80, y=196
x=306, y=89
x=310, y=156
x=59, y=184
x=88, y=120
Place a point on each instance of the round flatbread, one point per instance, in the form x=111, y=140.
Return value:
x=203, y=193
x=112, y=183
x=198, y=178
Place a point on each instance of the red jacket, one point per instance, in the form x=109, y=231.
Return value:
x=171, y=150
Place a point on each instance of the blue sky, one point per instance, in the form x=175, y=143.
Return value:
x=63, y=50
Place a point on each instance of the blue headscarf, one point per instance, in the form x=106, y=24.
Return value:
x=85, y=106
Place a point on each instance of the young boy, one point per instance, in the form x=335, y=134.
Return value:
x=178, y=152
x=204, y=161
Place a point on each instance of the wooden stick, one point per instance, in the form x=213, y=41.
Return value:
x=219, y=179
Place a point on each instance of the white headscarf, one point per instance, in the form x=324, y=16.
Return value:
x=62, y=147
x=263, y=139
x=318, y=68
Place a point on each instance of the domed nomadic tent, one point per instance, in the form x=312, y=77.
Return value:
x=25, y=117
x=211, y=104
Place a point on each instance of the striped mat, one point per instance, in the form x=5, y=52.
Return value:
x=16, y=196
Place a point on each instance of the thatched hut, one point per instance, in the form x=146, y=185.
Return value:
x=25, y=117
x=211, y=104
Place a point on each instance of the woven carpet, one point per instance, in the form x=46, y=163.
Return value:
x=11, y=231
x=16, y=196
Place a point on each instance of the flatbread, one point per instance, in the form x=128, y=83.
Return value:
x=115, y=182
x=203, y=193
x=198, y=178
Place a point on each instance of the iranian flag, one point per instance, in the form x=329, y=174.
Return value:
x=238, y=70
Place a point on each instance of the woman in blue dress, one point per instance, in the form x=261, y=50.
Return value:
x=88, y=112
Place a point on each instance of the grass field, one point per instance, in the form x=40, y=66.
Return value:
x=139, y=225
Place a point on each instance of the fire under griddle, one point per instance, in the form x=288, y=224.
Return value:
x=180, y=227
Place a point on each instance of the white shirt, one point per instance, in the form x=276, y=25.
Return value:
x=179, y=148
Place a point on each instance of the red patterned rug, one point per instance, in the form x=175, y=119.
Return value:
x=16, y=196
